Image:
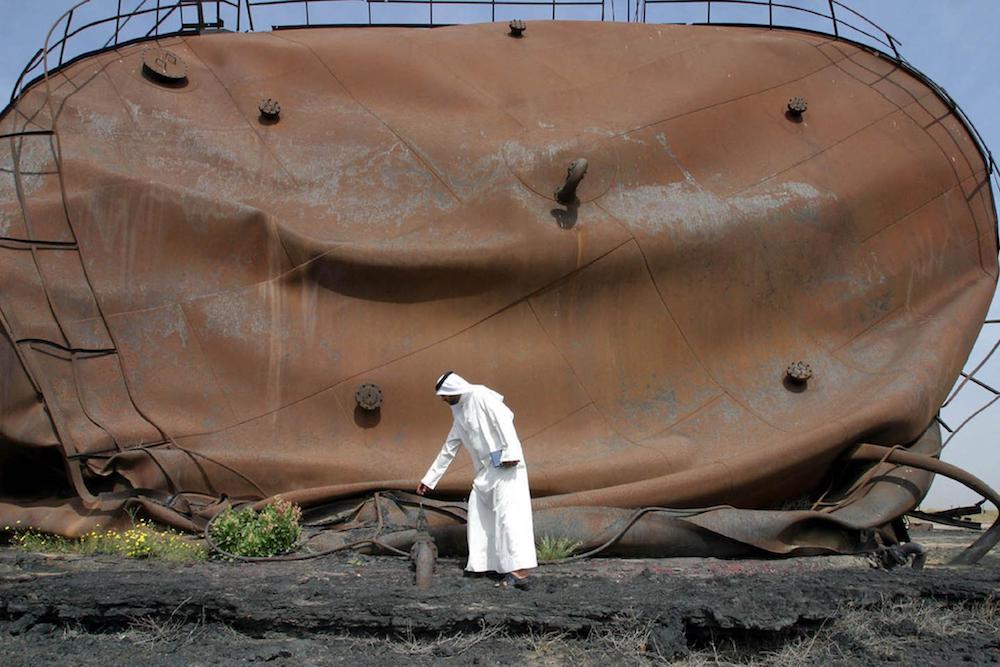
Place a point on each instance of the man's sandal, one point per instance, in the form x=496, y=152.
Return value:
x=510, y=581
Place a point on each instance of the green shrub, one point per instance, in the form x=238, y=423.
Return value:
x=555, y=548
x=272, y=531
x=143, y=540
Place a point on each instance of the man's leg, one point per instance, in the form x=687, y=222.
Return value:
x=478, y=524
x=515, y=535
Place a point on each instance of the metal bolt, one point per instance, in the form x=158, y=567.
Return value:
x=269, y=109
x=164, y=66
x=368, y=396
x=799, y=372
x=517, y=28
x=796, y=107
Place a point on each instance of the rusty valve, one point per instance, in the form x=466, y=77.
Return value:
x=423, y=553
x=369, y=396
x=796, y=107
x=799, y=372
x=574, y=174
x=269, y=109
x=517, y=28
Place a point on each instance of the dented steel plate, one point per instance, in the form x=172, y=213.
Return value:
x=403, y=222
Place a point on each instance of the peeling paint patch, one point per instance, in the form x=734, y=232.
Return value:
x=807, y=201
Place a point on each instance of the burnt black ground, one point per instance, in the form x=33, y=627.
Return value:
x=360, y=610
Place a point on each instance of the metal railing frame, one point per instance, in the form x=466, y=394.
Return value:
x=430, y=4
x=162, y=10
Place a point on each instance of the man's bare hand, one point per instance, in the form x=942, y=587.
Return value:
x=508, y=464
x=422, y=489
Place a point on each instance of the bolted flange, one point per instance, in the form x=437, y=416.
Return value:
x=517, y=28
x=368, y=396
x=799, y=372
x=269, y=109
x=796, y=107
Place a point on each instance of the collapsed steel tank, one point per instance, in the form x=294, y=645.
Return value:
x=233, y=265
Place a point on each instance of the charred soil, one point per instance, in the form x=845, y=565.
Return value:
x=365, y=610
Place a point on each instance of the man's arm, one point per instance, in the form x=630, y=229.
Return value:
x=497, y=425
x=512, y=453
x=441, y=463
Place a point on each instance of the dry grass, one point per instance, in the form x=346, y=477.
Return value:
x=882, y=631
x=623, y=641
x=551, y=649
x=627, y=636
x=890, y=630
x=177, y=629
x=409, y=644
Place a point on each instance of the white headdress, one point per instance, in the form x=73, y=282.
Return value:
x=452, y=384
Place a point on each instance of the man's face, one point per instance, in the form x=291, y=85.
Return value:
x=451, y=400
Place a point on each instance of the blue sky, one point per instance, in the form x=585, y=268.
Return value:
x=952, y=41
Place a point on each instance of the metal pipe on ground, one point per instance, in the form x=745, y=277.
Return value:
x=987, y=540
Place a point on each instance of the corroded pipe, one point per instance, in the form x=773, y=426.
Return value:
x=987, y=540
x=900, y=554
x=423, y=553
x=424, y=556
x=916, y=551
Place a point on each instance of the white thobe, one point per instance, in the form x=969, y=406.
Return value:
x=500, y=531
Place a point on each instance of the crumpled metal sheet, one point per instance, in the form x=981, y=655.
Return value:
x=211, y=290
x=857, y=519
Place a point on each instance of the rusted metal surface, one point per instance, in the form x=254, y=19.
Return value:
x=240, y=279
x=954, y=517
x=988, y=539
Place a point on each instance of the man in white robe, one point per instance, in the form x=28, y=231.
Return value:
x=500, y=531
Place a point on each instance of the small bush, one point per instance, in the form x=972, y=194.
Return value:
x=143, y=540
x=555, y=548
x=272, y=531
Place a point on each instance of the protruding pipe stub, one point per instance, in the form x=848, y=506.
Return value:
x=368, y=396
x=269, y=109
x=423, y=553
x=574, y=174
x=517, y=28
x=796, y=107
